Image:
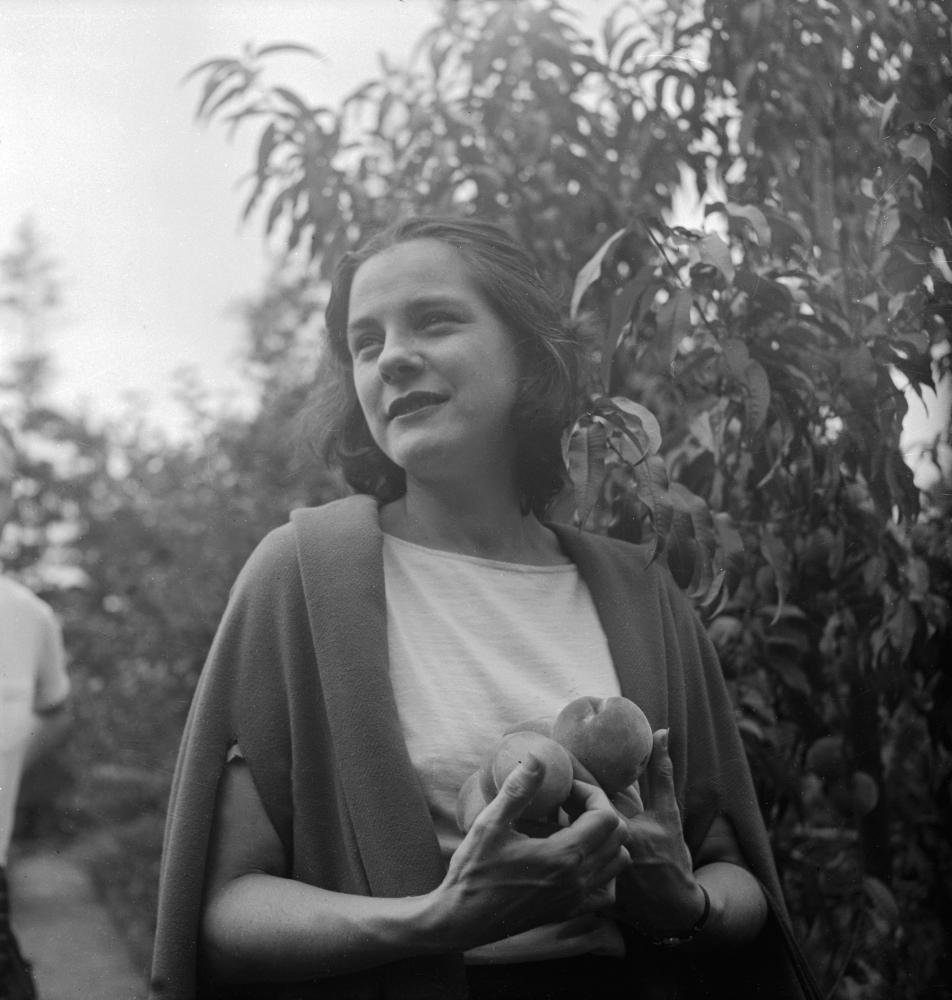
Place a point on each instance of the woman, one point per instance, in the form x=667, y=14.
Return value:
x=374, y=648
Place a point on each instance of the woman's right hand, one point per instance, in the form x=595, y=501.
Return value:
x=501, y=882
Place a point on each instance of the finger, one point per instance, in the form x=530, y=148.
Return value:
x=580, y=772
x=608, y=860
x=587, y=796
x=628, y=801
x=537, y=828
x=659, y=779
x=516, y=793
x=598, y=827
x=599, y=899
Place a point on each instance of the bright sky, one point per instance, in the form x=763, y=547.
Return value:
x=138, y=203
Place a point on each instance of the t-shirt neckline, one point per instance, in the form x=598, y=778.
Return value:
x=497, y=564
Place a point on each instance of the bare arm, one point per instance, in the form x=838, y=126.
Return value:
x=48, y=731
x=258, y=924
x=738, y=905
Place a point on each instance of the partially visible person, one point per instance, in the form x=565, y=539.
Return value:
x=34, y=717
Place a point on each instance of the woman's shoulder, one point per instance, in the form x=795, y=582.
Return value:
x=278, y=552
x=616, y=566
x=626, y=556
x=274, y=555
x=358, y=512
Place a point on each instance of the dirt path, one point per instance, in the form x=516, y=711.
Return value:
x=63, y=929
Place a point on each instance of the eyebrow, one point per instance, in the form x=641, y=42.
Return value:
x=414, y=308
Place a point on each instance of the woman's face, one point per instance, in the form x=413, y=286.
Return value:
x=435, y=370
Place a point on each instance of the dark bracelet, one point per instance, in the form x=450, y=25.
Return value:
x=669, y=940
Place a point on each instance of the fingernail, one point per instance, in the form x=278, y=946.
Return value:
x=664, y=739
x=533, y=764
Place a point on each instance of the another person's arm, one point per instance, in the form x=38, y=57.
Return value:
x=52, y=712
x=260, y=925
x=48, y=730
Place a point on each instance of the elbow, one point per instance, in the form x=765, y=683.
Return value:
x=220, y=958
x=226, y=956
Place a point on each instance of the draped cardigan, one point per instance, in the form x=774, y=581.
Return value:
x=297, y=675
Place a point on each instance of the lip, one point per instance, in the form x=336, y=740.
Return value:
x=413, y=402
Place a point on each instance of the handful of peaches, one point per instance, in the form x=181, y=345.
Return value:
x=605, y=740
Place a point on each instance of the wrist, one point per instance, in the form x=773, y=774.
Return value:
x=680, y=936
x=438, y=923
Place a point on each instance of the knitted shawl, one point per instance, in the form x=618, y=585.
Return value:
x=298, y=676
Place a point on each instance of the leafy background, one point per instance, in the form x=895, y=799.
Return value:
x=750, y=375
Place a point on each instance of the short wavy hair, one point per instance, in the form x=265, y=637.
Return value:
x=548, y=347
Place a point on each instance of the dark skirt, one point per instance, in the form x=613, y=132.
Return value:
x=581, y=978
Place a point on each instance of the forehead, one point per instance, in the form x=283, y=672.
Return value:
x=409, y=269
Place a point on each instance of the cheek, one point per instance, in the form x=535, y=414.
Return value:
x=364, y=391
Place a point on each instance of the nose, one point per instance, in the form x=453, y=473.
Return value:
x=397, y=359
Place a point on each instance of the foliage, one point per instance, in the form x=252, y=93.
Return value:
x=767, y=339
x=135, y=539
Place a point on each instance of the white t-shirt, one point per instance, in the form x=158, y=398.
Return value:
x=32, y=679
x=477, y=646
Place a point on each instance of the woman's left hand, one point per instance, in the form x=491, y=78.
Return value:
x=658, y=892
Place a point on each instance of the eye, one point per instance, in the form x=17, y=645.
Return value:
x=365, y=345
x=436, y=318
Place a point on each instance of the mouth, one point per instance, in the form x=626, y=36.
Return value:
x=412, y=402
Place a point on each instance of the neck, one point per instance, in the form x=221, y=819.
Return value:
x=489, y=525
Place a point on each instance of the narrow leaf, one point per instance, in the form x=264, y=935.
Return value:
x=942, y=263
x=703, y=532
x=736, y=357
x=651, y=487
x=767, y=292
x=586, y=464
x=225, y=97
x=730, y=547
x=902, y=486
x=289, y=47
x=681, y=547
x=775, y=552
x=712, y=602
x=887, y=111
x=713, y=250
x=674, y=323
x=758, y=396
x=215, y=80
x=591, y=272
x=754, y=218
x=640, y=424
x=887, y=226
x=293, y=100
x=622, y=304
x=219, y=65
x=265, y=148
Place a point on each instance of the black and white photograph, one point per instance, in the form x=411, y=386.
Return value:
x=475, y=499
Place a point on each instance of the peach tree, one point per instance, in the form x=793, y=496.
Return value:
x=752, y=363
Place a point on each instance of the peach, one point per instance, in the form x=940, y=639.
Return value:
x=516, y=748
x=826, y=758
x=540, y=724
x=610, y=737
